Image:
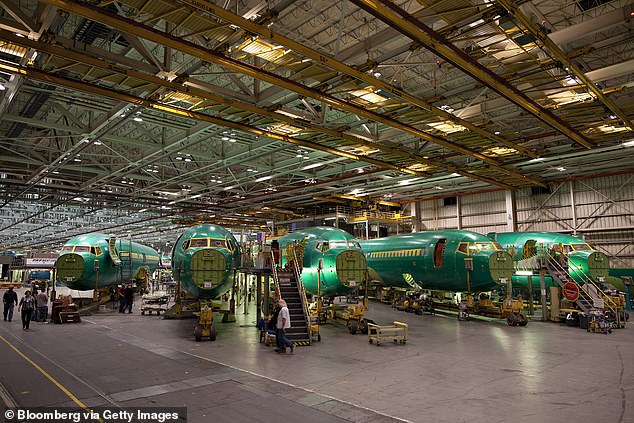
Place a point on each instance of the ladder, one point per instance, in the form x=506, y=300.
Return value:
x=112, y=242
x=125, y=258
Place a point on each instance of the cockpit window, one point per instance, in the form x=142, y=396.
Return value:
x=198, y=243
x=325, y=246
x=338, y=244
x=97, y=251
x=355, y=244
x=217, y=243
x=82, y=249
x=581, y=247
x=463, y=247
x=486, y=246
x=68, y=248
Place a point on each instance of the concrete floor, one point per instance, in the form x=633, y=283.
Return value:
x=449, y=371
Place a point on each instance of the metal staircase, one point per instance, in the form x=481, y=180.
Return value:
x=591, y=296
x=291, y=290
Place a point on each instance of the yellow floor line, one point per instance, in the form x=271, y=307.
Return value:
x=49, y=377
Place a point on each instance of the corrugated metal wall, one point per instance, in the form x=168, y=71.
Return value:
x=603, y=213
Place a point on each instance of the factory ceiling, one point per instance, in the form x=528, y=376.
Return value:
x=141, y=116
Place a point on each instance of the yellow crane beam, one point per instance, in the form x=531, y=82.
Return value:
x=399, y=19
x=167, y=40
x=333, y=63
x=568, y=64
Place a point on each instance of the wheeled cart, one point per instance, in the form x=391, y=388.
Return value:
x=154, y=303
x=396, y=333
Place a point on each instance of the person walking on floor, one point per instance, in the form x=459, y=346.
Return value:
x=283, y=323
x=10, y=300
x=129, y=298
x=42, y=306
x=27, y=305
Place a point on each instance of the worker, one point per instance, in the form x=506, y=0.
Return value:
x=129, y=298
x=10, y=300
x=121, y=297
x=283, y=323
x=27, y=305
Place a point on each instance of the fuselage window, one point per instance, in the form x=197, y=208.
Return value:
x=463, y=248
x=98, y=251
x=186, y=244
x=438, y=252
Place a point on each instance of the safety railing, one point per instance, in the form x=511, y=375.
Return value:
x=579, y=275
x=300, y=285
x=276, y=280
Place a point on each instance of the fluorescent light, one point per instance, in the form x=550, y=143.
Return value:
x=537, y=159
x=311, y=166
x=524, y=272
x=628, y=143
x=263, y=178
x=225, y=138
x=561, y=169
x=329, y=218
x=137, y=119
x=455, y=174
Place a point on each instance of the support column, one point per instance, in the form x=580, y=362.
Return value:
x=573, y=207
x=416, y=217
x=530, y=295
x=511, y=212
x=459, y=212
x=542, y=291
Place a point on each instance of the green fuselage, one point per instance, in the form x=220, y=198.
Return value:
x=526, y=247
x=343, y=266
x=85, y=263
x=438, y=260
x=204, y=258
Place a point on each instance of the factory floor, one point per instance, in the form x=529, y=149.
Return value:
x=449, y=371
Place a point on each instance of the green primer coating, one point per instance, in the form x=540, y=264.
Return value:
x=205, y=271
x=76, y=269
x=583, y=260
x=344, y=266
x=418, y=260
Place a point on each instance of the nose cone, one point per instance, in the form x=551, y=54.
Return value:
x=208, y=268
x=594, y=264
x=351, y=267
x=70, y=268
x=501, y=265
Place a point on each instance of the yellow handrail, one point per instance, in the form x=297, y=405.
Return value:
x=607, y=301
x=276, y=281
x=300, y=284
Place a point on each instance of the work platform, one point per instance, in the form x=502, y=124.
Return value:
x=449, y=371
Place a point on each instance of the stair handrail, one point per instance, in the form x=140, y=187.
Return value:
x=276, y=281
x=607, y=301
x=302, y=296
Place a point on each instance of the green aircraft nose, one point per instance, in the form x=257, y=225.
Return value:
x=208, y=268
x=70, y=267
x=351, y=267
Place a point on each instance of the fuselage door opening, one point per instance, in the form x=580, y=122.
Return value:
x=439, y=249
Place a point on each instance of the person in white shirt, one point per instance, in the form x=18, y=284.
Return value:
x=283, y=323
